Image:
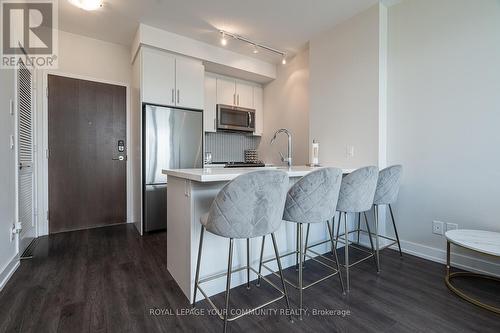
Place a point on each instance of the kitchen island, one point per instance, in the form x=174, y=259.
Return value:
x=190, y=194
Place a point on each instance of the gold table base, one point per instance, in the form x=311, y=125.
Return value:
x=449, y=276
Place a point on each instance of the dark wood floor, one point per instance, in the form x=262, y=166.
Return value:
x=108, y=279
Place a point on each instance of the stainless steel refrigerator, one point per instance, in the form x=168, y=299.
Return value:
x=172, y=139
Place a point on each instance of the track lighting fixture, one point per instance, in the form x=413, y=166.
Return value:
x=255, y=46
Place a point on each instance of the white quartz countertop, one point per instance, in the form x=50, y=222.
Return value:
x=225, y=174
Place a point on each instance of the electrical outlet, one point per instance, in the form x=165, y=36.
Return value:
x=437, y=227
x=451, y=226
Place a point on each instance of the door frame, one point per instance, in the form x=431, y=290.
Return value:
x=43, y=126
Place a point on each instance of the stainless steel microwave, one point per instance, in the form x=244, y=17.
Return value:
x=235, y=119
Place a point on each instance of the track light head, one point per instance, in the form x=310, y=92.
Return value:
x=223, y=39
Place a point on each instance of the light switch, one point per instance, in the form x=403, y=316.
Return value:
x=349, y=151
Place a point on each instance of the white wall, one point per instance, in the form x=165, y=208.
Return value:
x=286, y=104
x=8, y=248
x=443, y=118
x=91, y=59
x=344, y=91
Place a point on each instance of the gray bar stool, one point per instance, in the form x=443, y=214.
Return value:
x=356, y=196
x=249, y=206
x=388, y=184
x=313, y=199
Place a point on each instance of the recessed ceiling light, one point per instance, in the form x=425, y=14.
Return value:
x=87, y=4
x=283, y=61
x=255, y=49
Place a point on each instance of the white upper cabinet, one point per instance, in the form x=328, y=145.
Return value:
x=209, y=111
x=258, y=102
x=171, y=80
x=189, y=83
x=244, y=95
x=226, y=93
x=158, y=77
x=225, y=90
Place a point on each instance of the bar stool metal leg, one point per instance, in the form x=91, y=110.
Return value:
x=395, y=230
x=305, y=247
x=346, y=252
x=260, y=261
x=334, y=250
x=301, y=290
x=248, y=263
x=276, y=253
x=197, y=276
x=228, y=282
x=371, y=241
x=297, y=248
x=359, y=225
x=377, y=245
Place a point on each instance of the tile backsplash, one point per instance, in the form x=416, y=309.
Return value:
x=229, y=147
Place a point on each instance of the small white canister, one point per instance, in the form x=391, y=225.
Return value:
x=315, y=153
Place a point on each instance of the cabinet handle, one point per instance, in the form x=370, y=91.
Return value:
x=215, y=124
x=238, y=99
x=178, y=96
x=173, y=96
x=249, y=119
x=234, y=99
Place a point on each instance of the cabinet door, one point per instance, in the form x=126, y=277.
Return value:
x=244, y=95
x=258, y=101
x=209, y=111
x=158, y=77
x=226, y=91
x=189, y=79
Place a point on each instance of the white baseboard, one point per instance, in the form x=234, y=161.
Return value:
x=465, y=262
x=8, y=271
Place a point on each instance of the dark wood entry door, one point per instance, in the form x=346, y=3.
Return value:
x=87, y=176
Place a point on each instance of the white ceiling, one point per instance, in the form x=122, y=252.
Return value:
x=283, y=24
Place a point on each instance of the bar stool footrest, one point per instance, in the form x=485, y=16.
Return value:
x=219, y=312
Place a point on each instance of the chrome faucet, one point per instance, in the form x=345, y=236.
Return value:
x=287, y=159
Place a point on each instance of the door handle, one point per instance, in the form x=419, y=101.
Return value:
x=249, y=119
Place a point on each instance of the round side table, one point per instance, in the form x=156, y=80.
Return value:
x=486, y=242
